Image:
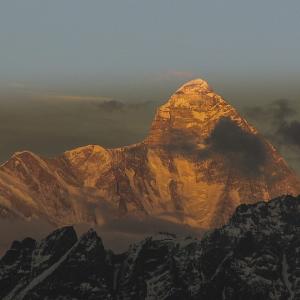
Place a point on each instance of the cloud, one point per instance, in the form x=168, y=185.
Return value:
x=244, y=150
x=176, y=74
x=28, y=89
x=51, y=127
x=290, y=133
x=117, y=234
x=181, y=141
x=180, y=74
x=119, y=106
x=111, y=106
x=280, y=115
x=17, y=85
x=279, y=122
x=14, y=229
x=148, y=225
x=76, y=97
x=276, y=112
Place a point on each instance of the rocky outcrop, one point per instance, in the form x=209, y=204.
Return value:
x=200, y=161
x=254, y=256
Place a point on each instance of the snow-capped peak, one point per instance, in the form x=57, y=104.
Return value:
x=197, y=85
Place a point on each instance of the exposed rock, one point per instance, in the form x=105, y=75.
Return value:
x=255, y=256
x=200, y=160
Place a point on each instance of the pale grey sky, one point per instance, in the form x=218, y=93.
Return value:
x=134, y=50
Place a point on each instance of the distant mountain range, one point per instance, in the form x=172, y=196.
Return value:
x=255, y=256
x=200, y=161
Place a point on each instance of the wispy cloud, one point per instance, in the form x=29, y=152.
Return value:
x=176, y=74
x=77, y=97
x=180, y=74
x=31, y=91
x=16, y=85
x=279, y=120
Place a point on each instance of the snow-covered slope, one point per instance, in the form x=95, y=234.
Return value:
x=200, y=160
x=255, y=256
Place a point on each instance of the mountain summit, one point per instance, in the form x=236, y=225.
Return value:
x=200, y=160
x=197, y=86
x=194, y=109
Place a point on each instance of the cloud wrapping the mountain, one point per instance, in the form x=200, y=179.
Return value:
x=244, y=150
x=279, y=122
x=280, y=116
x=290, y=133
x=181, y=141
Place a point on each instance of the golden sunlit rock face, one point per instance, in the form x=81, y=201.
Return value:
x=200, y=160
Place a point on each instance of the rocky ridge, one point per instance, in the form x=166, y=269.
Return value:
x=200, y=161
x=255, y=256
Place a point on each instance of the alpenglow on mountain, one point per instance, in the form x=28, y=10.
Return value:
x=200, y=161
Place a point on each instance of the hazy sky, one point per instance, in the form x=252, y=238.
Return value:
x=59, y=58
x=143, y=49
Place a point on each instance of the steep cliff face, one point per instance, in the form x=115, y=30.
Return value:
x=254, y=256
x=200, y=160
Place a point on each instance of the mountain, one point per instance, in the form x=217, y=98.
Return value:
x=200, y=161
x=254, y=256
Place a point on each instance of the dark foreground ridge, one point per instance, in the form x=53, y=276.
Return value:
x=255, y=256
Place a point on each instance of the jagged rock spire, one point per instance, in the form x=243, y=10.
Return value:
x=195, y=108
